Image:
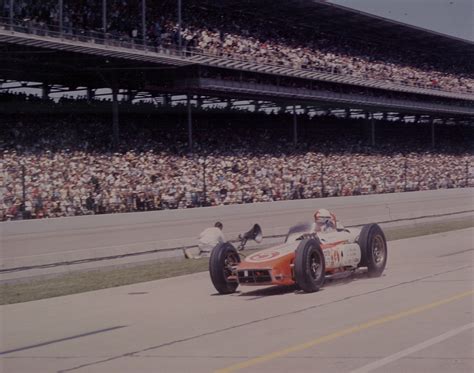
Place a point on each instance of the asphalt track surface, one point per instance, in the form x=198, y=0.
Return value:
x=417, y=317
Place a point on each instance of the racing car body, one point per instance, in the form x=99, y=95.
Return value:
x=305, y=258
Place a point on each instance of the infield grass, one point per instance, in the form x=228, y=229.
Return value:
x=82, y=281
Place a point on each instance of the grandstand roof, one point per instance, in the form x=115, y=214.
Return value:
x=333, y=18
x=73, y=61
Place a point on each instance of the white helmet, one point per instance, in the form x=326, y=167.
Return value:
x=322, y=214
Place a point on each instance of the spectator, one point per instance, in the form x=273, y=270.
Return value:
x=254, y=38
x=71, y=169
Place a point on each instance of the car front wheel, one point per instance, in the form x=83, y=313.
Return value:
x=309, y=265
x=223, y=258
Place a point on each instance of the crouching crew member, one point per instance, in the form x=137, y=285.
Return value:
x=208, y=240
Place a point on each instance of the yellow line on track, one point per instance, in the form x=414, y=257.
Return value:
x=343, y=332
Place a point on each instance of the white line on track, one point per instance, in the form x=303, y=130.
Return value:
x=430, y=342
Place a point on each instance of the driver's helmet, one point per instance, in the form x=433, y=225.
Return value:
x=324, y=220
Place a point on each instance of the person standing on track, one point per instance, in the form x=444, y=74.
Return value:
x=208, y=240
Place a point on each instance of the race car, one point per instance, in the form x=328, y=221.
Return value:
x=305, y=258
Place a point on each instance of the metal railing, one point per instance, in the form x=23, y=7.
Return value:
x=304, y=93
x=166, y=47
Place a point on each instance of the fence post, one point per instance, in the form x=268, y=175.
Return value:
x=23, y=187
x=467, y=174
x=204, y=182
x=322, y=179
x=405, y=169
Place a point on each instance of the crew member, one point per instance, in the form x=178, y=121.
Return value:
x=208, y=240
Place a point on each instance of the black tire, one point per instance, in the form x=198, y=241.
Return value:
x=373, y=247
x=222, y=256
x=310, y=266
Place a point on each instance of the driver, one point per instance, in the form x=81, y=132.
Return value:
x=325, y=221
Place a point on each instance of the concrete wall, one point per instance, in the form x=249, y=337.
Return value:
x=45, y=241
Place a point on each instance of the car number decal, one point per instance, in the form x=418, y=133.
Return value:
x=260, y=257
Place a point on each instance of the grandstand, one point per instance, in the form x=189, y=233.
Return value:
x=337, y=81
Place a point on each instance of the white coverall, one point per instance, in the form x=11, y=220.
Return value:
x=208, y=239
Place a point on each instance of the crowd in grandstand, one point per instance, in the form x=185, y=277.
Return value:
x=65, y=165
x=240, y=36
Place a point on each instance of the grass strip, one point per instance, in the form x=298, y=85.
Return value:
x=83, y=281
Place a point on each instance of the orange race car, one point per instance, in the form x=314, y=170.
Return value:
x=305, y=258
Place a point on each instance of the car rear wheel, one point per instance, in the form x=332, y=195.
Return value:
x=223, y=258
x=373, y=246
x=309, y=265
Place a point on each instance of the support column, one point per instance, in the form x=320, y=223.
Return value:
x=144, y=21
x=104, y=16
x=190, y=124
x=45, y=90
x=11, y=12
x=167, y=100
x=115, y=117
x=90, y=94
x=348, y=113
x=433, y=139
x=199, y=102
x=179, y=26
x=257, y=105
x=130, y=95
x=229, y=103
x=60, y=17
x=372, y=130
x=295, y=127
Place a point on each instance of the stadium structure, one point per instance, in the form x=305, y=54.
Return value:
x=64, y=60
x=117, y=106
x=193, y=73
